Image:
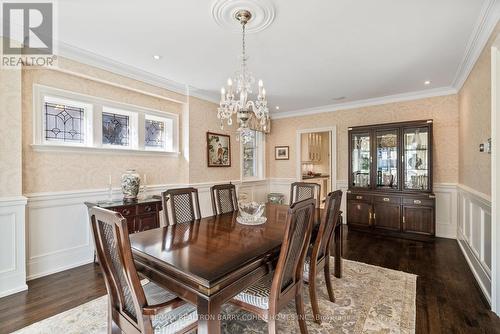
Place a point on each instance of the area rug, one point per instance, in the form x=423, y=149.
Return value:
x=369, y=299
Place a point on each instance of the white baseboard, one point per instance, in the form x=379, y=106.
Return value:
x=20, y=288
x=12, y=245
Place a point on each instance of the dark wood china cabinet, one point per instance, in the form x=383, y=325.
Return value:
x=390, y=179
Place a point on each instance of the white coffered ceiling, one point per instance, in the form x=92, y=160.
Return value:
x=313, y=52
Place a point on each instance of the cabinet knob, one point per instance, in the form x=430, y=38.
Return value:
x=417, y=201
x=359, y=197
x=126, y=212
x=147, y=209
x=387, y=199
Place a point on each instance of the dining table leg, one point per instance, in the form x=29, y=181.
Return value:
x=208, y=316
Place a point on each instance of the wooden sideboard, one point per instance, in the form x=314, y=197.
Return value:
x=141, y=215
x=390, y=179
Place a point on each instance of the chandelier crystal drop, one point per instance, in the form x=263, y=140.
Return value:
x=235, y=97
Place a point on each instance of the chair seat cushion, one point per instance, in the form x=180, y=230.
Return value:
x=175, y=320
x=155, y=294
x=168, y=321
x=258, y=294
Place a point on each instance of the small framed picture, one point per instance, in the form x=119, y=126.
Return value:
x=218, y=150
x=281, y=152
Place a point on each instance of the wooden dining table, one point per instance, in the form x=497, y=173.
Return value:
x=208, y=261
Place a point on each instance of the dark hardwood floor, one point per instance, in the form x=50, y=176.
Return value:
x=448, y=300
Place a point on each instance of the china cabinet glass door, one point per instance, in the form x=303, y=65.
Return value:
x=361, y=159
x=416, y=158
x=386, y=143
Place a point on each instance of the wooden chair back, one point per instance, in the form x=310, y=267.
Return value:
x=289, y=269
x=330, y=218
x=126, y=295
x=300, y=191
x=183, y=204
x=224, y=198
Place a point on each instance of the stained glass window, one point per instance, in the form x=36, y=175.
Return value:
x=115, y=129
x=154, y=134
x=64, y=123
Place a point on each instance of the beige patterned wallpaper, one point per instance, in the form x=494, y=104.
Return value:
x=63, y=171
x=59, y=171
x=443, y=110
x=10, y=130
x=475, y=123
x=203, y=118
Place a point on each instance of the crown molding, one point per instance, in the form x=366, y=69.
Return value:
x=203, y=94
x=488, y=19
x=108, y=64
x=367, y=102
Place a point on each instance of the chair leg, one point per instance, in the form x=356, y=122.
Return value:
x=112, y=326
x=314, y=297
x=299, y=305
x=328, y=280
x=271, y=325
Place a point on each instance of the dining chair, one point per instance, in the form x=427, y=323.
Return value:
x=183, y=205
x=273, y=292
x=132, y=307
x=224, y=198
x=303, y=190
x=318, y=256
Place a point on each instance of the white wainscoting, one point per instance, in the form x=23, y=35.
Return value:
x=446, y=210
x=474, y=234
x=58, y=235
x=12, y=245
x=58, y=231
x=446, y=203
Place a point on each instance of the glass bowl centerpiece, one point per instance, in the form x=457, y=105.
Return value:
x=250, y=213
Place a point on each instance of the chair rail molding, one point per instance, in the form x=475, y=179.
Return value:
x=58, y=231
x=12, y=245
x=474, y=234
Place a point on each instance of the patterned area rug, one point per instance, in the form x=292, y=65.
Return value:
x=369, y=299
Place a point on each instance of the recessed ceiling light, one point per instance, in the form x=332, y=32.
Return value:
x=277, y=107
x=427, y=82
x=156, y=57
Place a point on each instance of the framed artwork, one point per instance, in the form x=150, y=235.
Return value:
x=218, y=150
x=281, y=152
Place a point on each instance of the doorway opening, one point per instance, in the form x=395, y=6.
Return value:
x=316, y=158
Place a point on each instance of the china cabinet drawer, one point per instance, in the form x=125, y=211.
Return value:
x=359, y=197
x=418, y=201
x=387, y=199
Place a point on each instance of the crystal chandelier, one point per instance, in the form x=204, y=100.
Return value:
x=235, y=99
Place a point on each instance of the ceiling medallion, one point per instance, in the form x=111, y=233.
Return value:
x=236, y=99
x=224, y=11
